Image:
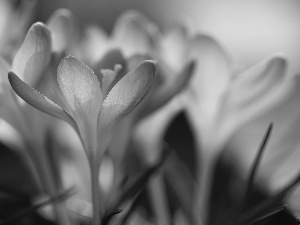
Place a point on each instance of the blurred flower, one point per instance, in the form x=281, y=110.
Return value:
x=221, y=103
x=279, y=165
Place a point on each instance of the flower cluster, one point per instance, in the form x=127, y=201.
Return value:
x=112, y=101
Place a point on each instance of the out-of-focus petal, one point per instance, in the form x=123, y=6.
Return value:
x=134, y=33
x=211, y=76
x=252, y=93
x=63, y=29
x=37, y=100
x=82, y=92
x=127, y=93
x=4, y=68
x=173, y=46
x=9, y=110
x=94, y=44
x=136, y=59
x=34, y=55
x=167, y=90
x=150, y=131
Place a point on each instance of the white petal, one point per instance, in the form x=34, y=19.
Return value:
x=34, y=55
x=127, y=93
x=38, y=100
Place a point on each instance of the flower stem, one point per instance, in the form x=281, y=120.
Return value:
x=159, y=201
x=207, y=164
x=95, y=192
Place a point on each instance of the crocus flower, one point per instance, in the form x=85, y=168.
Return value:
x=220, y=103
x=30, y=61
x=92, y=114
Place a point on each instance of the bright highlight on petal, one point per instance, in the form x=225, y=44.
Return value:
x=34, y=55
x=80, y=87
x=127, y=93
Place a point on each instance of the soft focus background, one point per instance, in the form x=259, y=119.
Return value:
x=250, y=30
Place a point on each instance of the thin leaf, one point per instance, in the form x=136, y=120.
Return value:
x=108, y=218
x=269, y=204
x=267, y=215
x=255, y=165
x=34, y=208
x=137, y=185
x=132, y=208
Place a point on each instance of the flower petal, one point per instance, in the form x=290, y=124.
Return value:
x=94, y=44
x=82, y=93
x=9, y=109
x=108, y=79
x=252, y=93
x=134, y=33
x=38, y=100
x=34, y=55
x=173, y=46
x=109, y=60
x=136, y=59
x=63, y=27
x=210, y=78
x=160, y=96
x=80, y=87
x=127, y=93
